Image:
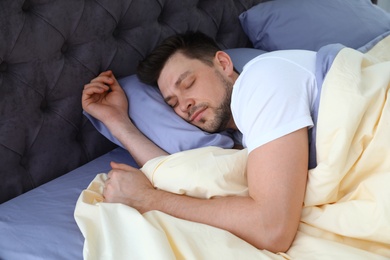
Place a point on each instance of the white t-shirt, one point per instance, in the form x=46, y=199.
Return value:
x=274, y=96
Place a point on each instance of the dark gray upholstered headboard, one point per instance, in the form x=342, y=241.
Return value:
x=50, y=48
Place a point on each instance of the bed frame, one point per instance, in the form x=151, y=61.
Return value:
x=50, y=49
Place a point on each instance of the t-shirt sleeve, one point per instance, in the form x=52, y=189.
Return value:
x=272, y=98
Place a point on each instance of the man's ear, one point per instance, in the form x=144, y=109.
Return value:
x=223, y=59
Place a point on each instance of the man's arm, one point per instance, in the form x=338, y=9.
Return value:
x=104, y=99
x=268, y=218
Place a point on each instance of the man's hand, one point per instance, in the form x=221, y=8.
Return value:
x=104, y=99
x=128, y=185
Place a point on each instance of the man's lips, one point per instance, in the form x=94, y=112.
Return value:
x=197, y=115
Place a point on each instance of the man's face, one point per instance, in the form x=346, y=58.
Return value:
x=198, y=93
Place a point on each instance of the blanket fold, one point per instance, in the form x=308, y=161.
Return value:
x=348, y=192
x=346, y=213
x=115, y=231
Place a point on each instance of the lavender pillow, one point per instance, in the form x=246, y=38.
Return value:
x=312, y=24
x=156, y=120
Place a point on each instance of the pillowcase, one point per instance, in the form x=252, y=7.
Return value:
x=241, y=56
x=311, y=24
x=157, y=121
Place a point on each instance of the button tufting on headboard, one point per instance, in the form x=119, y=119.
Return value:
x=116, y=32
x=50, y=49
x=3, y=67
x=64, y=48
x=44, y=105
x=26, y=6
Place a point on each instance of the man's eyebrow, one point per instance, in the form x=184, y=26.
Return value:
x=177, y=83
x=182, y=77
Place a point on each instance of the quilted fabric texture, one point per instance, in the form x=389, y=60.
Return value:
x=50, y=48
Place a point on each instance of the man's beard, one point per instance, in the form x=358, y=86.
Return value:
x=223, y=113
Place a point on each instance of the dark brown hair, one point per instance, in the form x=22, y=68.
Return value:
x=194, y=45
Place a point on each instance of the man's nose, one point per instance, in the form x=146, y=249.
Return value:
x=186, y=105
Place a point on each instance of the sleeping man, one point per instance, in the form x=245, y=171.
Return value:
x=271, y=103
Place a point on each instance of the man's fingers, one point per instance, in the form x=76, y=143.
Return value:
x=91, y=94
x=107, y=78
x=121, y=166
x=96, y=87
x=103, y=79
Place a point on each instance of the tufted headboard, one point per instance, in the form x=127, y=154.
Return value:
x=50, y=48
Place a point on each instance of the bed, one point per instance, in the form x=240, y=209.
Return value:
x=51, y=151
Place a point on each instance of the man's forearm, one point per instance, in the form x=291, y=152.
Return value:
x=241, y=216
x=137, y=144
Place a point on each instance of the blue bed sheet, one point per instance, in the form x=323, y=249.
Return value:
x=40, y=224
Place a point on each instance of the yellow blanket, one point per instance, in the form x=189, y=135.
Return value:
x=347, y=204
